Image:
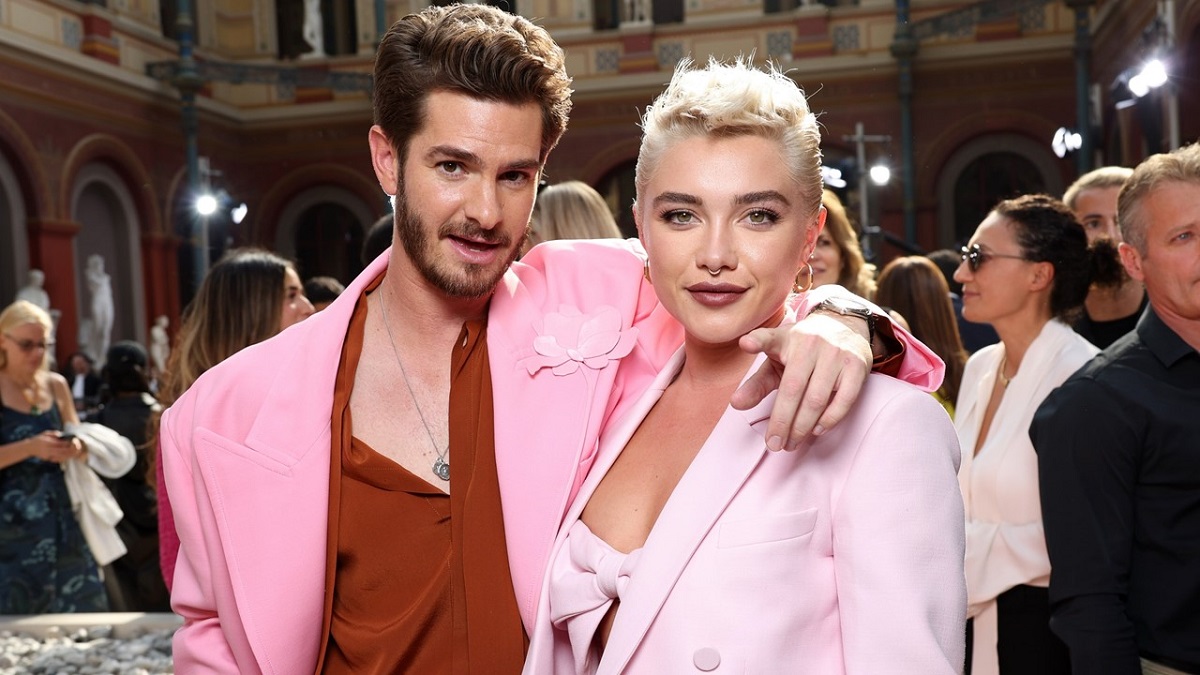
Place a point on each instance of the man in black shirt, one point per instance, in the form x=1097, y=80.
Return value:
x=1119, y=453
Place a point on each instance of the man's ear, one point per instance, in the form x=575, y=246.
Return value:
x=385, y=160
x=1131, y=258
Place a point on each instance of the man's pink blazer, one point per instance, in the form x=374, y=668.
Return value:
x=246, y=450
x=843, y=557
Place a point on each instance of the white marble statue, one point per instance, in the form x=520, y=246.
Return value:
x=100, y=333
x=34, y=291
x=314, y=30
x=160, y=345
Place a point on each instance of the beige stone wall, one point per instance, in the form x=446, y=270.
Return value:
x=236, y=29
x=144, y=12
x=42, y=21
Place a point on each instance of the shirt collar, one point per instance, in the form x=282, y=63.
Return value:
x=1164, y=343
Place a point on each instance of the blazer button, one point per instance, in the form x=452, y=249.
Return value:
x=706, y=659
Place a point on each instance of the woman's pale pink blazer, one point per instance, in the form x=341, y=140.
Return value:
x=843, y=557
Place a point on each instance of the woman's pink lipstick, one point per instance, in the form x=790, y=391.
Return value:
x=712, y=294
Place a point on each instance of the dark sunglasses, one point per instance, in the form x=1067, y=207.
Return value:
x=29, y=345
x=975, y=257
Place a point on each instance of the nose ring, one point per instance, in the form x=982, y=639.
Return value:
x=713, y=272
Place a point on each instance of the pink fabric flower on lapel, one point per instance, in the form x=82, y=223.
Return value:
x=570, y=338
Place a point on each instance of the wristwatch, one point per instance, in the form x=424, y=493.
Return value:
x=849, y=307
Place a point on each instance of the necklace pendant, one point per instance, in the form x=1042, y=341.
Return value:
x=441, y=469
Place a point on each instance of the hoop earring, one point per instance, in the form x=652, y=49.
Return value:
x=646, y=272
x=796, y=286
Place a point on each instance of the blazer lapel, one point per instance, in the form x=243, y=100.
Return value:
x=262, y=505
x=617, y=436
x=734, y=448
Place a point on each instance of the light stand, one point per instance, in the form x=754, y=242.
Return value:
x=877, y=174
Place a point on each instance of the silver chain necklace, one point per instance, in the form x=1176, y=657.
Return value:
x=441, y=468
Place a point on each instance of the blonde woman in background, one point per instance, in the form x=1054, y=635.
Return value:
x=838, y=259
x=45, y=563
x=915, y=287
x=571, y=210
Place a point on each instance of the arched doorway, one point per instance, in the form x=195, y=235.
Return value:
x=328, y=242
x=322, y=229
x=110, y=227
x=986, y=170
x=986, y=181
x=14, y=244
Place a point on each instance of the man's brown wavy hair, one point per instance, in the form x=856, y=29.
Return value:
x=476, y=50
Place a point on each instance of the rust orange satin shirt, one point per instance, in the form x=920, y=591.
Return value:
x=417, y=581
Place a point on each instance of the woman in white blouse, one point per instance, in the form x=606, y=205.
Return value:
x=1025, y=269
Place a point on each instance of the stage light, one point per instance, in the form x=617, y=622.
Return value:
x=1152, y=76
x=1066, y=141
x=832, y=178
x=880, y=174
x=1154, y=73
x=206, y=204
x=238, y=213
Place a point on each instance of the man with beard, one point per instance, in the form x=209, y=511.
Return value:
x=309, y=474
x=1115, y=300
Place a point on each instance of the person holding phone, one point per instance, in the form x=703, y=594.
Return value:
x=44, y=559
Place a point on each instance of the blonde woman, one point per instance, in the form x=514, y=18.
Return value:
x=571, y=210
x=690, y=546
x=45, y=563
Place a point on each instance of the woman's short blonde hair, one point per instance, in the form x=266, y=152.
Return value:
x=572, y=210
x=729, y=100
x=24, y=312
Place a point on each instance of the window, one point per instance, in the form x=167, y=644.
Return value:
x=338, y=32
x=168, y=14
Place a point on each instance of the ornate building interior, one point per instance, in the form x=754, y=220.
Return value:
x=101, y=152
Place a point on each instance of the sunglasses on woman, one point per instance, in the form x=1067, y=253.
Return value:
x=29, y=345
x=975, y=256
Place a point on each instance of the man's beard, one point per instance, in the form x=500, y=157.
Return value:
x=468, y=281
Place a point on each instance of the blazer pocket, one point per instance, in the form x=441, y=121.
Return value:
x=766, y=529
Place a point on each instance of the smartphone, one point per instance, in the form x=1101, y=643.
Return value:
x=66, y=437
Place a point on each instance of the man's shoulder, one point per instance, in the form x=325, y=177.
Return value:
x=1103, y=383
x=580, y=257
x=251, y=372
x=583, y=274
x=1128, y=353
